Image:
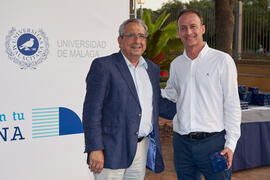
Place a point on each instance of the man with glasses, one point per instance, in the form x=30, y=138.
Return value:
x=121, y=109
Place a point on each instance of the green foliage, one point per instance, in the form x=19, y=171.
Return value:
x=162, y=40
x=173, y=7
x=263, y=4
x=201, y=5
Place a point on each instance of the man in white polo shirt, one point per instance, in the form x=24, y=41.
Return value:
x=203, y=83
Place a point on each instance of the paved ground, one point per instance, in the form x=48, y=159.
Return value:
x=260, y=173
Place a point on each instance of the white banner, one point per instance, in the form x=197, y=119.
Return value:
x=46, y=48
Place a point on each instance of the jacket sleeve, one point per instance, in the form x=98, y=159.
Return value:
x=167, y=109
x=96, y=88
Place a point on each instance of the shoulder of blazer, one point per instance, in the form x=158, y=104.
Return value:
x=112, y=58
x=152, y=65
x=108, y=61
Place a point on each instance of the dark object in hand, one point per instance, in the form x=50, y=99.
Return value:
x=218, y=161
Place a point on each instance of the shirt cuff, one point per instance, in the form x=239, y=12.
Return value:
x=231, y=145
x=165, y=95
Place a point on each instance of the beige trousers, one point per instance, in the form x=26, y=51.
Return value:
x=135, y=172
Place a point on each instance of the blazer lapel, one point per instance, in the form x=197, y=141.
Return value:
x=151, y=77
x=150, y=74
x=123, y=68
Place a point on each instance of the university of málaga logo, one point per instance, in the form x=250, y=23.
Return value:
x=27, y=47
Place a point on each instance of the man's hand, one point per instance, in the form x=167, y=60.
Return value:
x=227, y=152
x=96, y=161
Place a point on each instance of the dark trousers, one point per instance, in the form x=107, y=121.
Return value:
x=191, y=157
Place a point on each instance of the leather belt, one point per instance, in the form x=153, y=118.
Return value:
x=200, y=135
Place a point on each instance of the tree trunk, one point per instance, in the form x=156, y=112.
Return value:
x=224, y=24
x=131, y=10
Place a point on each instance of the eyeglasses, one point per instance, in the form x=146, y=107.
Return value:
x=133, y=35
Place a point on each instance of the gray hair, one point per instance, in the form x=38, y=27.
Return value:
x=138, y=21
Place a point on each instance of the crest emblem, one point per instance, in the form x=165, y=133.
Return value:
x=27, y=47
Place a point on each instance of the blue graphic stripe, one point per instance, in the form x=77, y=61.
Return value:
x=53, y=135
x=45, y=122
x=46, y=119
x=47, y=129
x=50, y=132
x=49, y=122
x=57, y=115
x=53, y=125
x=37, y=109
x=42, y=112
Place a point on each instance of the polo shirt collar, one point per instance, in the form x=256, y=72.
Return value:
x=202, y=53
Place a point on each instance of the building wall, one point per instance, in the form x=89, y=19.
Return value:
x=255, y=74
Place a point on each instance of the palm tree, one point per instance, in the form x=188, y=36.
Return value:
x=163, y=44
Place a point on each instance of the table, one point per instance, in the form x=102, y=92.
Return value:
x=253, y=147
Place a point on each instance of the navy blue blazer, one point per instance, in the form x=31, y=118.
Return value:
x=112, y=112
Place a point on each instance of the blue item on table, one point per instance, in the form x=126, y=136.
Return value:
x=246, y=96
x=253, y=90
x=244, y=105
x=241, y=88
x=262, y=99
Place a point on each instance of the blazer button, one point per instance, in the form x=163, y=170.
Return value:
x=140, y=114
x=137, y=133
